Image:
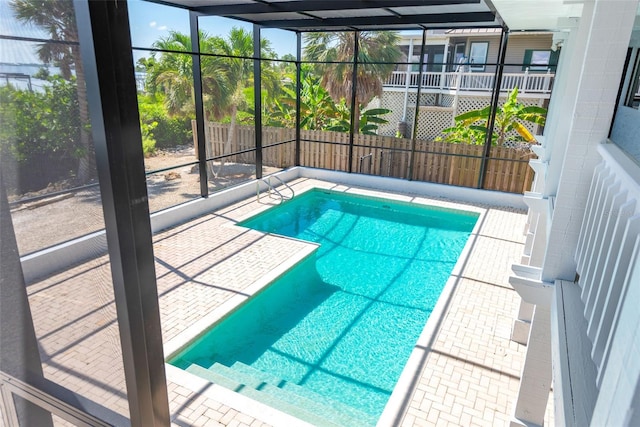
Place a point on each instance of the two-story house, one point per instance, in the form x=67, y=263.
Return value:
x=458, y=73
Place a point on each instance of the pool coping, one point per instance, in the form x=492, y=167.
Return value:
x=182, y=340
x=395, y=408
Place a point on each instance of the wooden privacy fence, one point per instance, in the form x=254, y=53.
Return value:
x=440, y=162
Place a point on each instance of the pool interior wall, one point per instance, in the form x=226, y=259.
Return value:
x=312, y=337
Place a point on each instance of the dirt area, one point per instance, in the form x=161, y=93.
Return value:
x=44, y=222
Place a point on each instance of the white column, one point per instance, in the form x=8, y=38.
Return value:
x=604, y=31
x=407, y=81
x=562, y=102
x=535, y=380
x=443, y=72
x=522, y=325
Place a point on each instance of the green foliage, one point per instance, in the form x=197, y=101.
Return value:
x=461, y=133
x=368, y=123
x=228, y=83
x=318, y=110
x=471, y=127
x=225, y=78
x=377, y=52
x=41, y=123
x=40, y=132
x=148, y=142
x=167, y=131
x=57, y=19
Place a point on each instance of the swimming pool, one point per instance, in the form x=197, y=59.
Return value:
x=328, y=340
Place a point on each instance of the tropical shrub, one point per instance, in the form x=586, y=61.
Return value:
x=167, y=131
x=40, y=130
x=148, y=142
x=377, y=53
x=57, y=19
x=368, y=121
x=318, y=110
x=471, y=127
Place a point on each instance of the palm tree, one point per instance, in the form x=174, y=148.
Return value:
x=227, y=71
x=318, y=110
x=377, y=52
x=59, y=20
x=172, y=74
x=237, y=50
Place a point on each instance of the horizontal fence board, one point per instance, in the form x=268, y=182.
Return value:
x=438, y=162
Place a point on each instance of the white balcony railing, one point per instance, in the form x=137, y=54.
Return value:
x=469, y=81
x=597, y=316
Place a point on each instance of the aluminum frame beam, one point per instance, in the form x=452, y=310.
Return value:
x=105, y=45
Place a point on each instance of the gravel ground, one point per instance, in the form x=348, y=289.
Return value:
x=54, y=220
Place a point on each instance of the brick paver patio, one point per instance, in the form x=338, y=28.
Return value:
x=471, y=370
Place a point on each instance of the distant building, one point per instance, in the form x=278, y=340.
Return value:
x=458, y=71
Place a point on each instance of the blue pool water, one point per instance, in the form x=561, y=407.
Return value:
x=339, y=327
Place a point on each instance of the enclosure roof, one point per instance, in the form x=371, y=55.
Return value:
x=344, y=15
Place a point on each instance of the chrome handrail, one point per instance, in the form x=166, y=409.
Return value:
x=273, y=190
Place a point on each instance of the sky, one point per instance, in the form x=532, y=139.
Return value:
x=150, y=21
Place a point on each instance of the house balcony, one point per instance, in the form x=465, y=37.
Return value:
x=536, y=85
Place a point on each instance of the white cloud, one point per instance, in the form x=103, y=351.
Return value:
x=153, y=23
x=162, y=27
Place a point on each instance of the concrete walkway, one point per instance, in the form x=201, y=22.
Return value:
x=471, y=369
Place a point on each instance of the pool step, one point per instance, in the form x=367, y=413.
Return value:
x=283, y=395
x=301, y=396
x=340, y=409
x=275, y=402
x=293, y=394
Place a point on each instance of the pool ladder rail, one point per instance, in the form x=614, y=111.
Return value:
x=273, y=191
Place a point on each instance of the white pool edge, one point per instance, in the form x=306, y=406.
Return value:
x=183, y=339
x=47, y=261
x=237, y=401
x=56, y=258
x=404, y=388
x=395, y=409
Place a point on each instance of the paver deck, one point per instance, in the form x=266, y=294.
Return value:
x=471, y=370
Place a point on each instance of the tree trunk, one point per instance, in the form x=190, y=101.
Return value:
x=232, y=129
x=356, y=118
x=87, y=162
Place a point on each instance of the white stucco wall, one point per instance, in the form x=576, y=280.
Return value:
x=602, y=28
